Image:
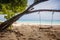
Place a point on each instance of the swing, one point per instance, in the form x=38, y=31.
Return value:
x=51, y=21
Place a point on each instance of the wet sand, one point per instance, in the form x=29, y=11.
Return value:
x=32, y=32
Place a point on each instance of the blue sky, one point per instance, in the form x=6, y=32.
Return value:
x=51, y=4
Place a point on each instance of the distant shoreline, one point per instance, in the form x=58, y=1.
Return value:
x=30, y=23
x=36, y=22
x=43, y=22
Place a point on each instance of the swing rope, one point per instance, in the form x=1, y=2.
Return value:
x=52, y=19
x=39, y=17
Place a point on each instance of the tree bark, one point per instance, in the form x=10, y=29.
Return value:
x=7, y=23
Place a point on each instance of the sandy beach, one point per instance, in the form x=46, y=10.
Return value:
x=26, y=31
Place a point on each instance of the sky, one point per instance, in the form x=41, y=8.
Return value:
x=51, y=4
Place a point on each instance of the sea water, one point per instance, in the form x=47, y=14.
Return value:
x=42, y=22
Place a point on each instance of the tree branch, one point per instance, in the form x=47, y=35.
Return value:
x=7, y=23
x=35, y=3
x=43, y=10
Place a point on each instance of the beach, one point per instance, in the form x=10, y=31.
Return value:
x=31, y=31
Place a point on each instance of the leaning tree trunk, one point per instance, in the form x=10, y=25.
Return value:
x=7, y=23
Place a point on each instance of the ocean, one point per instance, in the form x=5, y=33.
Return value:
x=42, y=22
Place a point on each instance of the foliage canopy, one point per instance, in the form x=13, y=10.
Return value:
x=10, y=7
